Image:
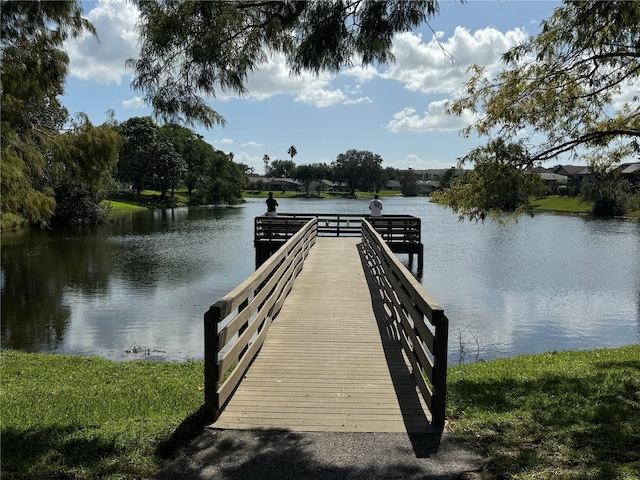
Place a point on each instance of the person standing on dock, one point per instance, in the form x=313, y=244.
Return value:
x=272, y=203
x=375, y=206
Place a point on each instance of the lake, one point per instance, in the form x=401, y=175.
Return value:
x=139, y=289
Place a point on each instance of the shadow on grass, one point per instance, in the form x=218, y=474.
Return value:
x=52, y=452
x=75, y=452
x=187, y=431
x=592, y=420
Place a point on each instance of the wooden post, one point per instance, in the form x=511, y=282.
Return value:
x=211, y=374
x=439, y=398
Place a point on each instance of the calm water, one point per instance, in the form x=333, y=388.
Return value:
x=140, y=288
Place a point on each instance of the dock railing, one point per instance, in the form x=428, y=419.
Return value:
x=402, y=233
x=418, y=321
x=235, y=327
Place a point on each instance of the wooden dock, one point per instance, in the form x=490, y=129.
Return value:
x=328, y=362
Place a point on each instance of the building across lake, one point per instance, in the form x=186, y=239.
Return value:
x=429, y=180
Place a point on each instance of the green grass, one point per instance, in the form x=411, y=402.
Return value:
x=562, y=203
x=116, y=206
x=560, y=416
x=148, y=199
x=84, y=417
x=556, y=416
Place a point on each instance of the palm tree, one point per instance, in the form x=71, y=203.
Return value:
x=292, y=151
x=266, y=161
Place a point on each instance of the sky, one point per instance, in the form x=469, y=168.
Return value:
x=395, y=111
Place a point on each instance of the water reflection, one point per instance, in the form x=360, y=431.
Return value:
x=547, y=283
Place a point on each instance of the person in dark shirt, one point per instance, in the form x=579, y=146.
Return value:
x=272, y=203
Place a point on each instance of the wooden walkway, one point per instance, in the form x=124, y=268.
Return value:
x=327, y=363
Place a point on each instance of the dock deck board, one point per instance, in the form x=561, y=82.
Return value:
x=325, y=364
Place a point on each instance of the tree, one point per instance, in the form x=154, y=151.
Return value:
x=372, y=175
x=168, y=167
x=448, y=177
x=358, y=167
x=33, y=73
x=409, y=184
x=85, y=175
x=266, y=161
x=223, y=182
x=292, y=152
x=194, y=150
x=558, y=90
x=309, y=173
x=138, y=153
x=282, y=168
x=499, y=182
x=148, y=156
x=195, y=49
x=605, y=187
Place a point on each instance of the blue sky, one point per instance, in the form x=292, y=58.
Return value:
x=395, y=111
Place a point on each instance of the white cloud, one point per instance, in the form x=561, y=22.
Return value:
x=103, y=61
x=253, y=161
x=321, y=97
x=434, y=119
x=417, y=162
x=251, y=144
x=135, y=103
x=273, y=78
x=224, y=141
x=440, y=65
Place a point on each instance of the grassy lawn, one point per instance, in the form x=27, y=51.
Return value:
x=564, y=203
x=558, y=203
x=84, y=417
x=570, y=415
x=127, y=200
x=122, y=206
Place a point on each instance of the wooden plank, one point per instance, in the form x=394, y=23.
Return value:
x=324, y=365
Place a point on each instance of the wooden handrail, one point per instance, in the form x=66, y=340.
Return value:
x=424, y=342
x=394, y=228
x=236, y=325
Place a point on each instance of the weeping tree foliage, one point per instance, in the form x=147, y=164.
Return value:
x=499, y=182
x=40, y=165
x=193, y=50
x=84, y=175
x=33, y=73
x=559, y=92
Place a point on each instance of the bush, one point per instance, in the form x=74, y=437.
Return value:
x=77, y=206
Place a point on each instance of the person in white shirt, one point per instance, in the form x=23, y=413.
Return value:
x=375, y=206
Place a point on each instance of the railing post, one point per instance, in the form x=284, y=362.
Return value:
x=211, y=373
x=439, y=398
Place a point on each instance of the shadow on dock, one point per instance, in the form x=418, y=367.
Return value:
x=424, y=437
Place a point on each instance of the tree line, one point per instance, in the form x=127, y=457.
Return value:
x=558, y=93
x=57, y=170
x=358, y=169
x=561, y=92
